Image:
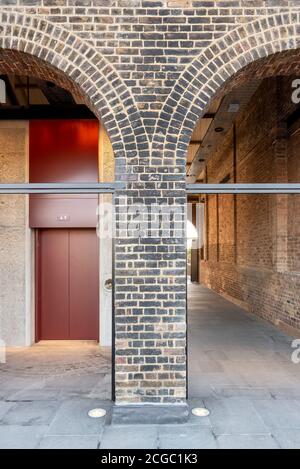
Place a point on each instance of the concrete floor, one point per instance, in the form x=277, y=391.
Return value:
x=240, y=368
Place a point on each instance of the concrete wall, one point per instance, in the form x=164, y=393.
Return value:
x=15, y=316
x=253, y=241
x=106, y=174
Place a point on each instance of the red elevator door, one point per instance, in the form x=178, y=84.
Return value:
x=67, y=282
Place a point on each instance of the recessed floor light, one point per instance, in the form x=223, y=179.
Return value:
x=200, y=412
x=96, y=413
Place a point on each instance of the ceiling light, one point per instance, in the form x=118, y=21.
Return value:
x=96, y=413
x=219, y=129
x=200, y=412
x=201, y=160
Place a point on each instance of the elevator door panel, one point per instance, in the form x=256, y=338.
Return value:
x=67, y=284
x=84, y=285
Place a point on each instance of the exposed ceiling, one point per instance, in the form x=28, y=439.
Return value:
x=213, y=127
x=26, y=91
x=33, y=98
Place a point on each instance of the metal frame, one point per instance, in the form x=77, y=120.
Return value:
x=110, y=188
x=242, y=189
x=62, y=188
x=75, y=188
x=198, y=189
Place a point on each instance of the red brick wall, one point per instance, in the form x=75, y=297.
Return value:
x=253, y=252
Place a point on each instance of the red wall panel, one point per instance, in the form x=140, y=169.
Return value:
x=63, y=151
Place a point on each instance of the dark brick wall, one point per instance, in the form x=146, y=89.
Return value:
x=253, y=240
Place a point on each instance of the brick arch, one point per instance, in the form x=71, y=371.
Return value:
x=260, y=48
x=31, y=45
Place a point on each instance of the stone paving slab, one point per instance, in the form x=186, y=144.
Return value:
x=72, y=418
x=234, y=416
x=287, y=439
x=20, y=437
x=69, y=442
x=247, y=442
x=30, y=413
x=130, y=437
x=279, y=414
x=185, y=437
x=4, y=408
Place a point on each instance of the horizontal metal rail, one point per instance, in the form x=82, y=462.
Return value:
x=242, y=189
x=61, y=188
x=110, y=188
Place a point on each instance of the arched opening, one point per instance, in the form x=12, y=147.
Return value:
x=243, y=306
x=55, y=272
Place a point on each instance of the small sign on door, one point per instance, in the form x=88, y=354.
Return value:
x=63, y=218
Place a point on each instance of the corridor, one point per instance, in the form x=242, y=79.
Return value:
x=234, y=354
x=241, y=369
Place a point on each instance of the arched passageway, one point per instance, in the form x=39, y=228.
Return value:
x=248, y=257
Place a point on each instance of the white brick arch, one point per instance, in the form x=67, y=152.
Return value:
x=225, y=63
x=32, y=45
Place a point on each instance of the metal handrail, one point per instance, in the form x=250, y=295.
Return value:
x=243, y=188
x=110, y=188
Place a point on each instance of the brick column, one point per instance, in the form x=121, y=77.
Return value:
x=150, y=292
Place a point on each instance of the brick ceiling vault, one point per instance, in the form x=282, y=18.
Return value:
x=36, y=47
x=268, y=46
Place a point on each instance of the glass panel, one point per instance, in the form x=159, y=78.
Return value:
x=55, y=285
x=248, y=271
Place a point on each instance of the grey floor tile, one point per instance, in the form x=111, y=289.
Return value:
x=234, y=416
x=279, y=414
x=186, y=437
x=241, y=391
x=292, y=393
x=69, y=442
x=287, y=439
x=73, y=385
x=41, y=394
x=4, y=408
x=30, y=413
x=129, y=437
x=72, y=418
x=20, y=437
x=247, y=442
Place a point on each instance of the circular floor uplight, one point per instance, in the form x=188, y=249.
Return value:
x=96, y=413
x=200, y=412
